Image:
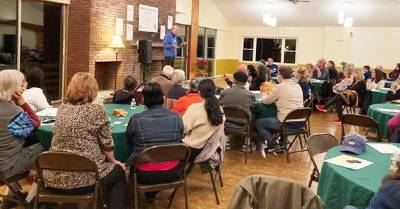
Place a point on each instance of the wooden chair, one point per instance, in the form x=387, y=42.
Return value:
x=233, y=113
x=317, y=144
x=13, y=185
x=360, y=121
x=162, y=153
x=301, y=116
x=66, y=162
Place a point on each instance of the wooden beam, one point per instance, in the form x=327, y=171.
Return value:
x=194, y=30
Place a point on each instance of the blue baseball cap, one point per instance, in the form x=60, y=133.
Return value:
x=353, y=143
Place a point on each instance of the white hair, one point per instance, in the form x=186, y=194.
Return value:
x=167, y=70
x=178, y=76
x=10, y=82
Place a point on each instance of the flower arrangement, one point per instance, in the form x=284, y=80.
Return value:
x=202, y=64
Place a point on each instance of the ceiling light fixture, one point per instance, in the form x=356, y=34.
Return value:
x=347, y=3
x=348, y=22
x=341, y=18
x=269, y=20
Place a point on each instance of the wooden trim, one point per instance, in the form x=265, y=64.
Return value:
x=194, y=30
x=59, y=1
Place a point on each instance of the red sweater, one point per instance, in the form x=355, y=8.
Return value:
x=184, y=102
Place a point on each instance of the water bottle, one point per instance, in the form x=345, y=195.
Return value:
x=133, y=103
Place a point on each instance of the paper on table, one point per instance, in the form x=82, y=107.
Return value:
x=48, y=112
x=384, y=148
x=388, y=110
x=343, y=160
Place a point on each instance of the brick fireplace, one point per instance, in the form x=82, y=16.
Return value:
x=91, y=25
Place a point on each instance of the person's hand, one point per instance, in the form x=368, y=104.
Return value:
x=250, y=78
x=184, y=43
x=175, y=46
x=123, y=166
x=225, y=77
x=18, y=99
x=394, y=86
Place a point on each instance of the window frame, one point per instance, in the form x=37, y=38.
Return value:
x=283, y=48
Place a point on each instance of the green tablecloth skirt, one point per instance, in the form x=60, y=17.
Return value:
x=383, y=116
x=315, y=85
x=388, y=83
x=339, y=186
x=378, y=96
x=118, y=127
x=275, y=79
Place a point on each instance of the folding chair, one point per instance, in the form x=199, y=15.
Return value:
x=13, y=185
x=360, y=121
x=317, y=144
x=300, y=116
x=66, y=162
x=233, y=113
x=162, y=153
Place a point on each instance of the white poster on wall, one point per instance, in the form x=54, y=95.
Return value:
x=148, y=18
x=170, y=22
x=119, y=26
x=129, y=32
x=162, y=32
x=129, y=13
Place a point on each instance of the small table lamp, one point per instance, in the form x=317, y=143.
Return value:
x=116, y=44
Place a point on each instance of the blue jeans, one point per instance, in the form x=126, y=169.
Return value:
x=267, y=126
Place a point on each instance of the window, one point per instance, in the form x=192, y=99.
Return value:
x=248, y=49
x=211, y=35
x=201, y=43
x=206, y=43
x=280, y=49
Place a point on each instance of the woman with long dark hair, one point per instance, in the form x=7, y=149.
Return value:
x=202, y=119
x=262, y=73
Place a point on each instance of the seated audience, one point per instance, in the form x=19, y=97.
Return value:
x=367, y=72
x=309, y=68
x=387, y=196
x=350, y=91
x=192, y=97
x=287, y=96
x=18, y=121
x=302, y=79
x=319, y=70
x=238, y=95
x=333, y=73
x=155, y=126
x=252, y=72
x=84, y=128
x=177, y=91
x=125, y=95
x=261, y=110
x=34, y=95
x=242, y=68
x=202, y=119
x=262, y=73
x=164, y=79
x=376, y=80
x=394, y=92
x=273, y=68
x=395, y=73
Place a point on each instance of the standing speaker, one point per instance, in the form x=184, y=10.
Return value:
x=145, y=51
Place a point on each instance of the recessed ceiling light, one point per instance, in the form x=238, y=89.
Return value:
x=347, y=3
x=348, y=22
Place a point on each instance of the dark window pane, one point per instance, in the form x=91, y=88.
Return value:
x=290, y=57
x=8, y=41
x=290, y=44
x=210, y=53
x=248, y=43
x=200, y=47
x=247, y=55
x=269, y=48
x=179, y=41
x=211, y=41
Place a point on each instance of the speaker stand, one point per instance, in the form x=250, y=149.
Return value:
x=145, y=68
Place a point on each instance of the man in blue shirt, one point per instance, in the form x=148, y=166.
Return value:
x=273, y=69
x=170, y=46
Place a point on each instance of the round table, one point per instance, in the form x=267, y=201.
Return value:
x=388, y=83
x=118, y=127
x=379, y=95
x=339, y=186
x=382, y=113
x=315, y=85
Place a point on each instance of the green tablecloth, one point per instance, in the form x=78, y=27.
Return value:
x=122, y=150
x=388, y=83
x=339, y=186
x=379, y=95
x=275, y=79
x=315, y=85
x=383, y=116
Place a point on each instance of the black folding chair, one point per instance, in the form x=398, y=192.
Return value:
x=360, y=121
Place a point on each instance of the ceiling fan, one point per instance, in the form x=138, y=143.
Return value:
x=298, y=1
